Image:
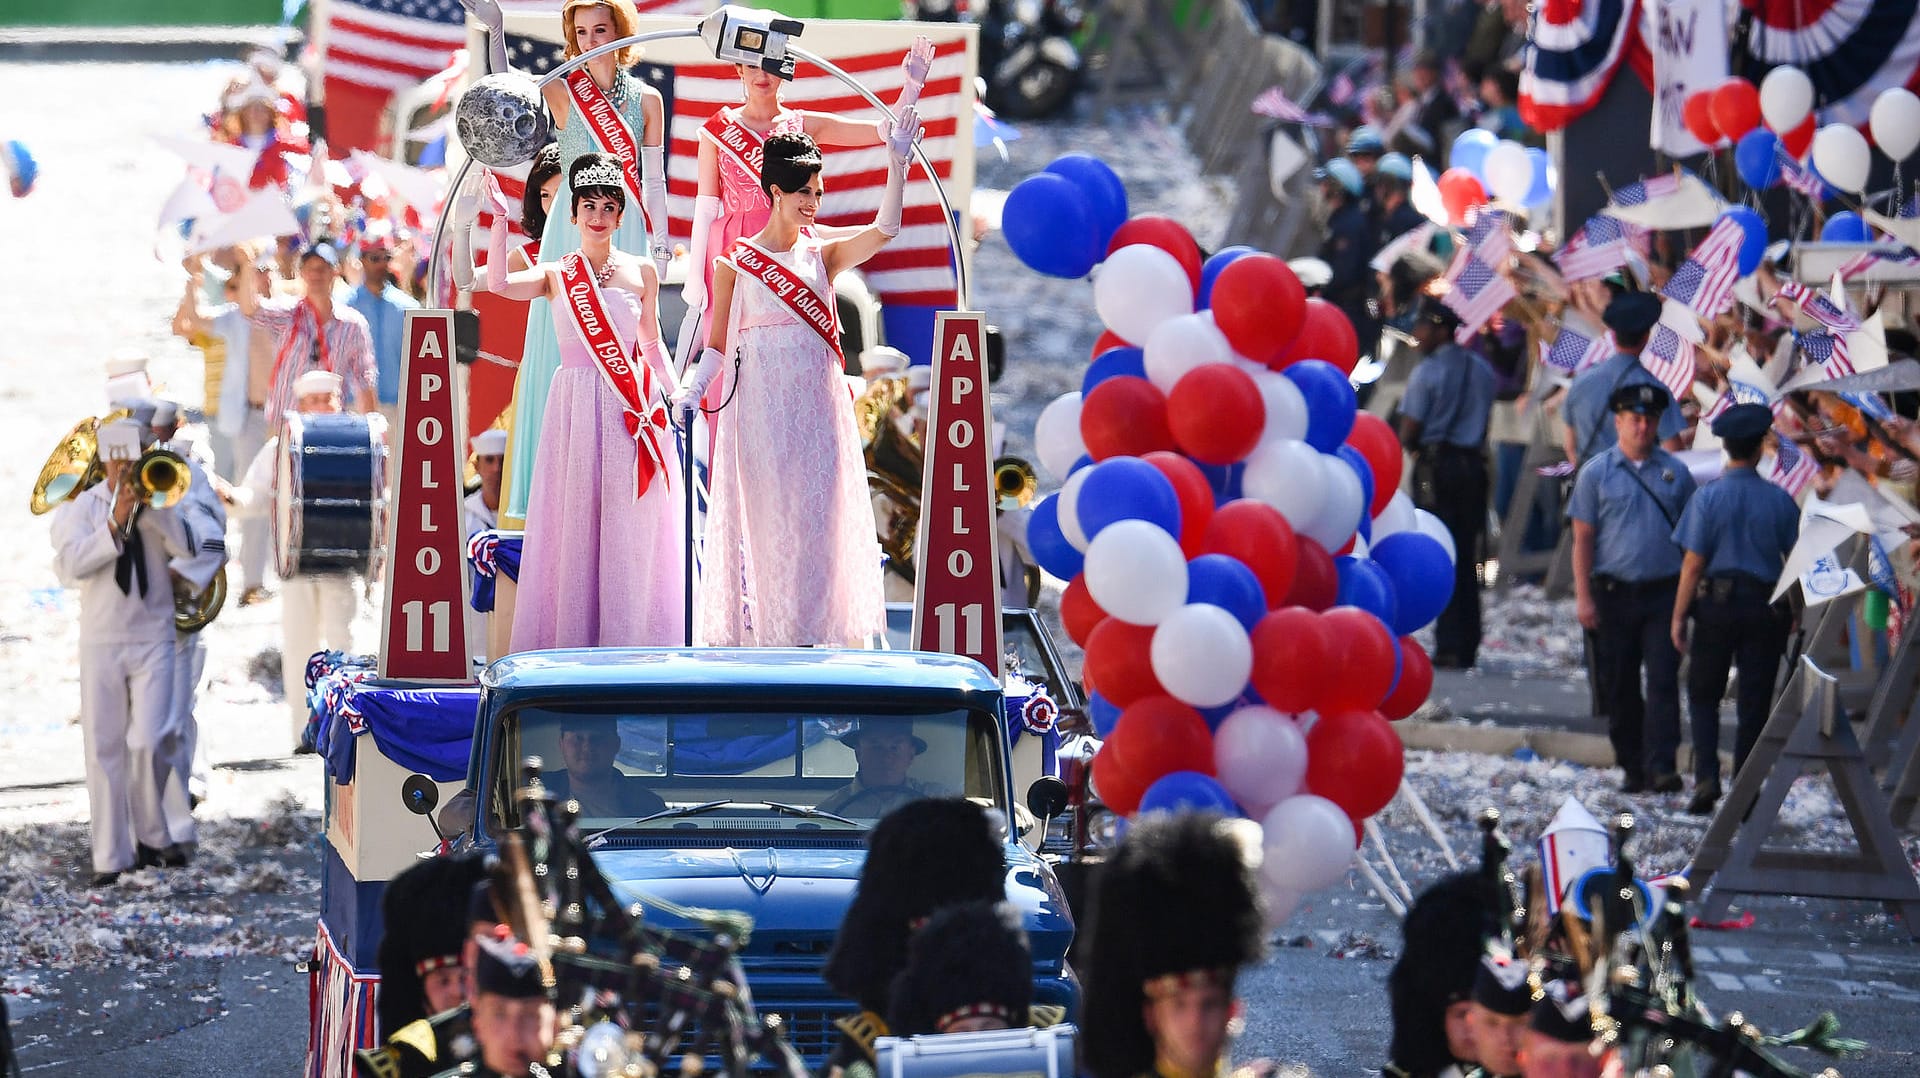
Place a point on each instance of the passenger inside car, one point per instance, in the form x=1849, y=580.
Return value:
x=588, y=746
x=884, y=753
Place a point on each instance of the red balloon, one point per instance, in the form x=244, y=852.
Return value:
x=1124, y=416
x=1316, y=580
x=1158, y=736
x=1259, y=306
x=1119, y=662
x=1196, y=501
x=1735, y=108
x=1078, y=612
x=1216, y=413
x=1116, y=789
x=1460, y=191
x=1291, y=659
x=1108, y=339
x=1799, y=140
x=1325, y=333
x=1377, y=443
x=1697, y=114
x=1355, y=760
x=1256, y=534
x=1416, y=681
x=1363, y=655
x=1165, y=233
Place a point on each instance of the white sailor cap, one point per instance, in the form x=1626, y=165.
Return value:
x=489, y=443
x=882, y=360
x=165, y=412
x=919, y=377
x=314, y=383
x=125, y=362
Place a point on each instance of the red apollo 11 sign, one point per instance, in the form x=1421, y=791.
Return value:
x=956, y=601
x=424, y=634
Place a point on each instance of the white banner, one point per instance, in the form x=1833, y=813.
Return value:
x=1689, y=43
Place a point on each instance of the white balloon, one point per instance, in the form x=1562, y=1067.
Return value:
x=1341, y=508
x=1280, y=903
x=1137, y=288
x=1286, y=407
x=1895, y=122
x=1069, y=514
x=1137, y=573
x=1786, y=97
x=1309, y=844
x=1260, y=756
x=1289, y=476
x=1509, y=171
x=1428, y=524
x=1202, y=656
x=1056, y=435
x=1396, y=517
x=1180, y=344
x=1841, y=156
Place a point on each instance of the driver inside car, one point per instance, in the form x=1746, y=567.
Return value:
x=884, y=753
x=588, y=746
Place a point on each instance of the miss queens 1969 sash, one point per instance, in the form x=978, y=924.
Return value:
x=611, y=133
x=752, y=260
x=646, y=416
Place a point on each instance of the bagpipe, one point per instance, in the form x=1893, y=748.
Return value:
x=632, y=996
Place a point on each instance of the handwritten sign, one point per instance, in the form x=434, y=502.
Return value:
x=1689, y=55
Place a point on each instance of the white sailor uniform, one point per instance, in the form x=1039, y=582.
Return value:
x=204, y=517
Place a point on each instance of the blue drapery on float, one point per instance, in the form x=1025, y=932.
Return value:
x=424, y=729
x=489, y=554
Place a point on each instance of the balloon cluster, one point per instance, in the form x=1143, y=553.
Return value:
x=1778, y=116
x=1485, y=167
x=1243, y=572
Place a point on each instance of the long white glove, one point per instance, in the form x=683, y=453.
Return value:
x=487, y=13
x=653, y=195
x=918, y=62
x=466, y=206
x=706, y=210
x=900, y=142
x=686, y=400
x=496, y=202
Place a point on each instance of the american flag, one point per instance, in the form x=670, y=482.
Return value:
x=391, y=44
x=916, y=269
x=1861, y=263
x=1796, y=175
x=1829, y=350
x=1818, y=307
x=1573, y=350
x=1641, y=192
x=1704, y=282
x=1478, y=293
x=1490, y=236
x=1670, y=357
x=1600, y=247
x=1792, y=468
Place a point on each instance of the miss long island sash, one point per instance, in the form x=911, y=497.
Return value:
x=611, y=133
x=628, y=375
x=751, y=260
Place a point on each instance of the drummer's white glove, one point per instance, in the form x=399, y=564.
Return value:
x=900, y=142
x=686, y=400
x=653, y=196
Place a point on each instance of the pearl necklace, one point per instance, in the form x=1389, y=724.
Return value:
x=605, y=273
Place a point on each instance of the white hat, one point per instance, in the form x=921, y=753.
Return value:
x=882, y=360
x=314, y=383
x=489, y=443
x=165, y=412
x=919, y=377
x=126, y=362
x=253, y=89
x=1312, y=272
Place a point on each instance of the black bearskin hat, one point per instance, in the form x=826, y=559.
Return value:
x=1443, y=940
x=923, y=855
x=1176, y=897
x=972, y=958
x=423, y=910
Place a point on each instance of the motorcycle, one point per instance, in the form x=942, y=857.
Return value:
x=1028, y=60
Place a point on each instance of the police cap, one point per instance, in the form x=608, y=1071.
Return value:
x=1641, y=397
x=1632, y=313
x=1743, y=421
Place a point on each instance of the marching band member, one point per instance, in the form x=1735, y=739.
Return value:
x=489, y=458
x=203, y=515
x=969, y=969
x=426, y=968
x=311, y=332
x=118, y=554
x=1558, y=1042
x=599, y=566
x=1175, y=915
x=1501, y=999
x=791, y=555
x=1430, y=989
x=316, y=610
x=514, y=1020
x=541, y=351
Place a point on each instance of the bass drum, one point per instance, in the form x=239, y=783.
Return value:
x=330, y=494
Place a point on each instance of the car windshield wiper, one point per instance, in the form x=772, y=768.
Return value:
x=817, y=813
x=663, y=814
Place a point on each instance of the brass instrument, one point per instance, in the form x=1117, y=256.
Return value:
x=1014, y=483
x=195, y=610
x=894, y=465
x=73, y=466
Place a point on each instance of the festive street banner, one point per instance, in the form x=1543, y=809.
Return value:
x=1689, y=45
x=956, y=602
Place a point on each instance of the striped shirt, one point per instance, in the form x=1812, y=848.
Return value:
x=346, y=350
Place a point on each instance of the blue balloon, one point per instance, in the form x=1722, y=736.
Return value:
x=1102, y=714
x=1331, y=402
x=1542, y=188
x=1470, y=151
x=1049, y=545
x=1106, y=196
x=1756, y=157
x=1753, y=245
x=1226, y=582
x=1211, y=268
x=1050, y=227
x=1365, y=585
x=1224, y=479
x=1422, y=577
x=1127, y=488
x=1365, y=471
x=1845, y=227
x=1113, y=363
x=1188, y=791
x=1084, y=460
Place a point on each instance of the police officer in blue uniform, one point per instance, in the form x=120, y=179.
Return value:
x=1626, y=569
x=1349, y=248
x=1443, y=423
x=1631, y=316
x=1736, y=533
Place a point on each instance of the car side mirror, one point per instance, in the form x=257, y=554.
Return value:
x=420, y=796
x=1047, y=797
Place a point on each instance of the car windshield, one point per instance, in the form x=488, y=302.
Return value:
x=761, y=770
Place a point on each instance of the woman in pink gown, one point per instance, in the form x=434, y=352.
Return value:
x=604, y=559
x=791, y=558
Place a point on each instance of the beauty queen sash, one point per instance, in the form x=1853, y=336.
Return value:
x=611, y=133
x=746, y=148
x=751, y=260
x=628, y=375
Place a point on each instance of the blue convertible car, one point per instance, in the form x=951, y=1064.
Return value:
x=725, y=779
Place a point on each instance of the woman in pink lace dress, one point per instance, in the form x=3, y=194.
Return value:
x=791, y=558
